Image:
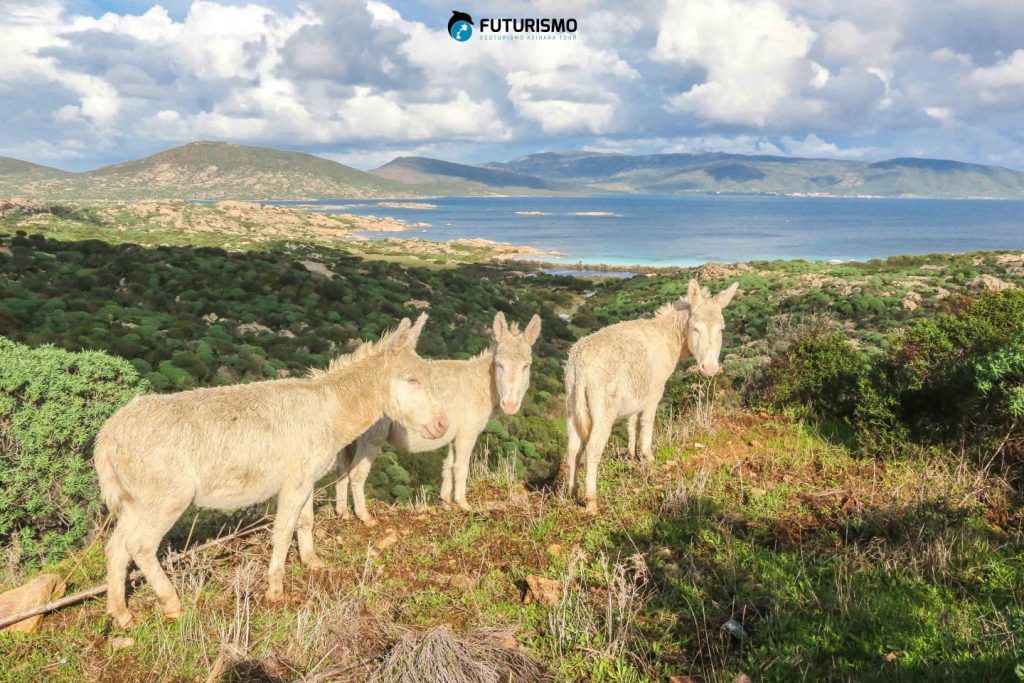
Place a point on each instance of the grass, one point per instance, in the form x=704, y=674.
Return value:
x=837, y=568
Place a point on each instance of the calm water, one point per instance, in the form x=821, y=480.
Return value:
x=663, y=231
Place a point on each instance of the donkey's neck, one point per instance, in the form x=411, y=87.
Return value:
x=483, y=367
x=673, y=326
x=360, y=397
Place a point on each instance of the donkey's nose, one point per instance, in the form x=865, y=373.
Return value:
x=510, y=407
x=440, y=425
x=708, y=369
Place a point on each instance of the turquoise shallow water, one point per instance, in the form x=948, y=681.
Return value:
x=689, y=230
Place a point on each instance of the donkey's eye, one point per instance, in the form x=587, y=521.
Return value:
x=415, y=381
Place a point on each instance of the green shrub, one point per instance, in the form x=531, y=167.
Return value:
x=52, y=403
x=821, y=370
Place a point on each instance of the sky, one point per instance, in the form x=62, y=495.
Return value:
x=89, y=82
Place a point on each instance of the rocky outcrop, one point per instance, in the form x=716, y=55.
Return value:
x=1013, y=263
x=911, y=301
x=989, y=283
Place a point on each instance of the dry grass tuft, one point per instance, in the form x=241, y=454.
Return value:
x=439, y=655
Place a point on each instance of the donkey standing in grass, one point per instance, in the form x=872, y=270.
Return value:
x=469, y=390
x=621, y=370
x=230, y=447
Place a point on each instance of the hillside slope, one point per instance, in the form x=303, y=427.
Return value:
x=446, y=177
x=215, y=170
x=738, y=173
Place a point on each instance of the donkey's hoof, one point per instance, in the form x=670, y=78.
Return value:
x=370, y=521
x=275, y=595
x=591, y=508
x=464, y=506
x=171, y=609
x=315, y=563
x=344, y=514
x=124, y=619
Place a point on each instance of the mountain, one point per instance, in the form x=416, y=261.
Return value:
x=444, y=177
x=745, y=174
x=15, y=173
x=213, y=170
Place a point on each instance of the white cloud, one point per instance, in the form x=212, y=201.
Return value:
x=1003, y=79
x=755, y=55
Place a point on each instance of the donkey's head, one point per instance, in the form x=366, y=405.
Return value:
x=704, y=325
x=411, y=400
x=513, y=355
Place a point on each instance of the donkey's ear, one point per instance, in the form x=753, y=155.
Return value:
x=723, y=298
x=693, y=293
x=412, y=331
x=500, y=326
x=532, y=332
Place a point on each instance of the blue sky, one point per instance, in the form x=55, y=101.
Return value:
x=89, y=82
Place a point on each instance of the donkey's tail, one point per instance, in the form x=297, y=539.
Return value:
x=110, y=486
x=577, y=410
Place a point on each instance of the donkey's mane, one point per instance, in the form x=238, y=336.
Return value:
x=367, y=349
x=670, y=309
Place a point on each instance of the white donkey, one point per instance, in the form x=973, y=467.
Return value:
x=469, y=390
x=621, y=370
x=230, y=447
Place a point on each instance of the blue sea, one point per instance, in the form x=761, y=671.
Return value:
x=694, y=229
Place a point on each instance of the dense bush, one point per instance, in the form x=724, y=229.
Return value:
x=954, y=378
x=52, y=402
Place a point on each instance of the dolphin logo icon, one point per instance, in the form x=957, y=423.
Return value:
x=457, y=28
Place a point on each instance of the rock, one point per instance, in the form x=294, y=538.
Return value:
x=941, y=293
x=911, y=301
x=672, y=571
x=461, y=582
x=318, y=268
x=663, y=552
x=741, y=678
x=681, y=679
x=121, y=643
x=757, y=491
x=1013, y=263
x=417, y=304
x=988, y=283
x=246, y=328
x=698, y=445
x=889, y=657
x=555, y=549
x=390, y=538
x=735, y=629
x=35, y=593
x=287, y=334
x=211, y=318
x=542, y=590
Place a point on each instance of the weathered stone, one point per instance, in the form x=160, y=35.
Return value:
x=35, y=593
x=989, y=283
x=542, y=591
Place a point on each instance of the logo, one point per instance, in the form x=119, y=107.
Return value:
x=460, y=26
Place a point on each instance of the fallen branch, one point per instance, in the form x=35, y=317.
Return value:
x=95, y=591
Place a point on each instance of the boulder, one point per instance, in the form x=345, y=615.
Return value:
x=989, y=283
x=911, y=301
x=1013, y=263
x=542, y=591
x=36, y=593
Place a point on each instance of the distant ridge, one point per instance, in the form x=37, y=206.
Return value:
x=447, y=177
x=212, y=170
x=765, y=174
x=219, y=170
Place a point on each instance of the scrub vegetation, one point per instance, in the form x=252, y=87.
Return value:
x=842, y=503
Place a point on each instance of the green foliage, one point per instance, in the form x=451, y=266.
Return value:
x=52, y=403
x=822, y=370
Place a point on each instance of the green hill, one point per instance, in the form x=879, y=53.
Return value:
x=213, y=170
x=445, y=177
x=745, y=174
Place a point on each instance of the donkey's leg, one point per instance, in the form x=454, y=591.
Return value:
x=572, y=456
x=290, y=501
x=304, y=531
x=647, y=429
x=447, y=475
x=342, y=470
x=118, y=559
x=631, y=424
x=360, y=471
x=143, y=542
x=599, y=433
x=463, y=446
